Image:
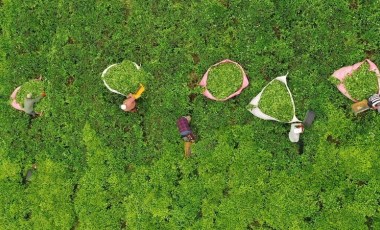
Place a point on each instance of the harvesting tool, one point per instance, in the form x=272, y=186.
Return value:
x=360, y=106
x=309, y=118
x=188, y=149
x=139, y=92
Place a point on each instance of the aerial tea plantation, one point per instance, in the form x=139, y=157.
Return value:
x=98, y=167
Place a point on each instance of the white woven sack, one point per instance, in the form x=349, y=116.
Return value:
x=105, y=83
x=255, y=103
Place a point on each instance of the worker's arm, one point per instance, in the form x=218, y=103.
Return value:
x=43, y=94
x=37, y=99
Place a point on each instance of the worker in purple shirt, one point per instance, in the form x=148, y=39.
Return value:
x=184, y=129
x=186, y=133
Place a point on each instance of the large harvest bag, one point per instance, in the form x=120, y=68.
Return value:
x=254, y=105
x=34, y=86
x=346, y=72
x=204, y=82
x=124, y=84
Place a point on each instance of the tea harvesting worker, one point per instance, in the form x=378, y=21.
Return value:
x=295, y=130
x=29, y=173
x=374, y=102
x=186, y=133
x=184, y=129
x=129, y=104
x=29, y=104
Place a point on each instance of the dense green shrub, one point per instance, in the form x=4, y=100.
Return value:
x=101, y=168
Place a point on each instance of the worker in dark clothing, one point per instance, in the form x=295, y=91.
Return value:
x=374, y=102
x=186, y=133
x=29, y=104
x=29, y=173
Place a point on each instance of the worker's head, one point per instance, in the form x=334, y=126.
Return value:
x=188, y=118
x=376, y=104
x=29, y=95
x=191, y=137
x=299, y=128
x=123, y=107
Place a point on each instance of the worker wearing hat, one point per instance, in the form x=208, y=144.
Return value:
x=374, y=102
x=29, y=104
x=184, y=129
x=295, y=130
x=129, y=104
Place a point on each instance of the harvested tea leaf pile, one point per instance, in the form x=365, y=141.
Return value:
x=276, y=102
x=125, y=77
x=362, y=83
x=224, y=79
x=35, y=88
x=333, y=80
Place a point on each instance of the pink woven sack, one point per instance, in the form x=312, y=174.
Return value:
x=14, y=103
x=13, y=96
x=208, y=94
x=346, y=71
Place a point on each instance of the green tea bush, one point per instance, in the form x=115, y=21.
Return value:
x=102, y=168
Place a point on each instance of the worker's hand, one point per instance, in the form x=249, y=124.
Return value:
x=191, y=137
x=43, y=94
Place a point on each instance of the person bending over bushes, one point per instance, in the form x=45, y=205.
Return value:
x=186, y=133
x=28, y=177
x=29, y=104
x=129, y=104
